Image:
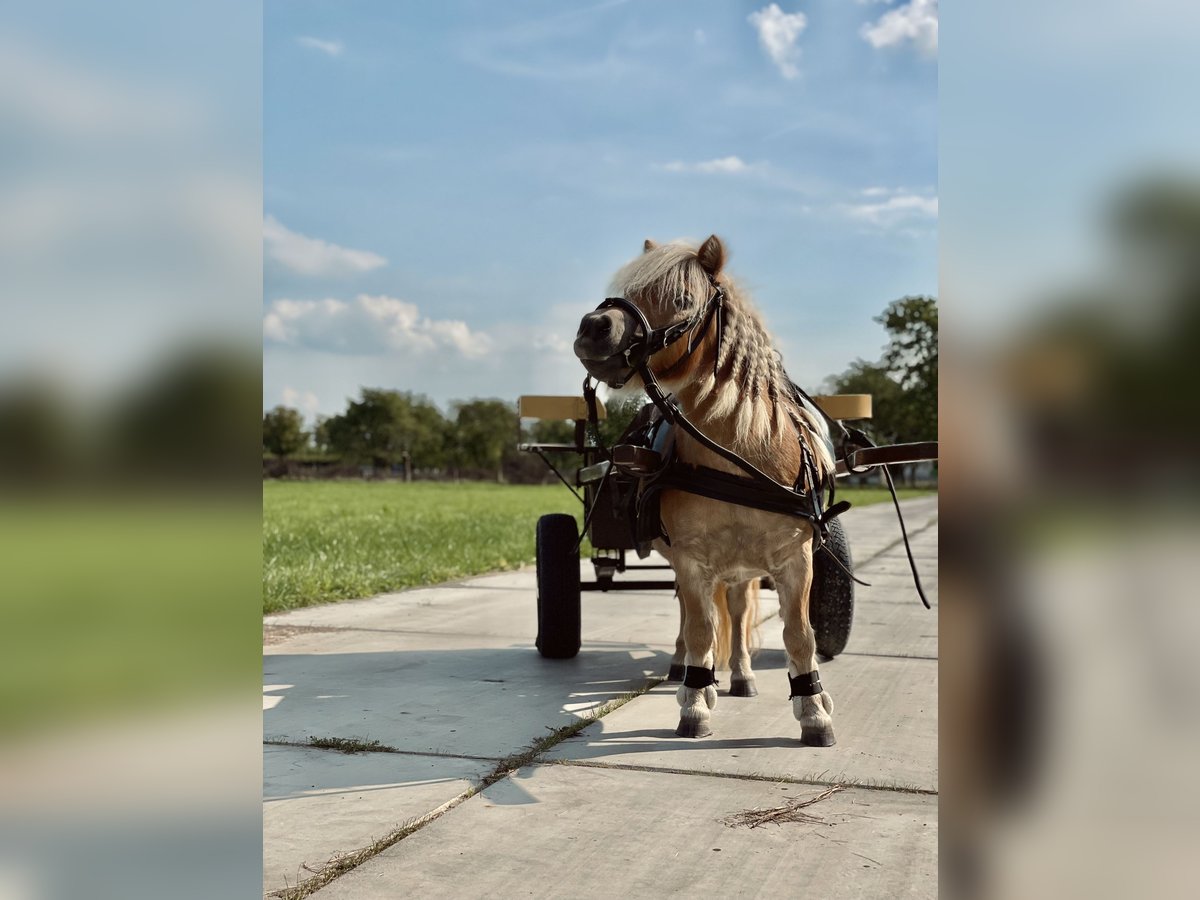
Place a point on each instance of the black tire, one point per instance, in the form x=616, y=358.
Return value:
x=559, y=628
x=831, y=602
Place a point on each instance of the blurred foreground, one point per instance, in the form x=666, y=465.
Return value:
x=1071, y=515
x=130, y=273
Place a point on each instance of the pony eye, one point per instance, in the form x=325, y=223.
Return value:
x=682, y=301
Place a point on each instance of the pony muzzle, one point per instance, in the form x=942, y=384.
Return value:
x=605, y=343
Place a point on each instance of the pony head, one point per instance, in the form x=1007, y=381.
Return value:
x=670, y=285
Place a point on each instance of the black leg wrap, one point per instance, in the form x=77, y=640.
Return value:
x=807, y=684
x=676, y=672
x=698, y=677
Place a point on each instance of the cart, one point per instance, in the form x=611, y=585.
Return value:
x=603, y=479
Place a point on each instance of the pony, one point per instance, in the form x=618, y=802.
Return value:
x=729, y=380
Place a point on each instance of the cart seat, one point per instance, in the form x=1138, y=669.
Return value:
x=845, y=406
x=541, y=406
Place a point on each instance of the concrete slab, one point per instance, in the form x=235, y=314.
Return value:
x=432, y=693
x=318, y=804
x=892, y=629
x=555, y=831
x=885, y=718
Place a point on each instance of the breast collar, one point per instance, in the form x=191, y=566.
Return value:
x=653, y=340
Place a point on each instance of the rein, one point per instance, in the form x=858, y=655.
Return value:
x=759, y=490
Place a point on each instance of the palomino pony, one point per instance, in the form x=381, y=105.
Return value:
x=729, y=381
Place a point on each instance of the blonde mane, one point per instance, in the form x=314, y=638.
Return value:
x=750, y=388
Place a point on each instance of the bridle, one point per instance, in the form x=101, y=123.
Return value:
x=652, y=340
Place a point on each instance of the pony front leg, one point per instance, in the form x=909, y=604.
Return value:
x=811, y=704
x=743, y=614
x=677, y=661
x=698, y=693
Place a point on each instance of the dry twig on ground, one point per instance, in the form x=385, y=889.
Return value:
x=777, y=815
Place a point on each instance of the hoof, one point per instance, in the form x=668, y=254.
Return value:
x=676, y=672
x=812, y=738
x=693, y=728
x=741, y=688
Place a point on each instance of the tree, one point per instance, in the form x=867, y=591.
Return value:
x=283, y=431
x=484, y=431
x=620, y=412
x=320, y=434
x=911, y=358
x=387, y=428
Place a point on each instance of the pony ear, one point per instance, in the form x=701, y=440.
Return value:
x=712, y=256
x=648, y=246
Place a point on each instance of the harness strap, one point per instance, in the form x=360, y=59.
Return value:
x=673, y=414
x=806, y=684
x=716, y=307
x=728, y=488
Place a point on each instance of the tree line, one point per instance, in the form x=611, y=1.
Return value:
x=405, y=432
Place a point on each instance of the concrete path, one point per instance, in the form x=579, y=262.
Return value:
x=448, y=683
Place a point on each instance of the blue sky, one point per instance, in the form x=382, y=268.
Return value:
x=448, y=187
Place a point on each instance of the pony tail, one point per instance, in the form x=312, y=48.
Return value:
x=724, y=627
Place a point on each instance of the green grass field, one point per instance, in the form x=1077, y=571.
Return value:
x=336, y=540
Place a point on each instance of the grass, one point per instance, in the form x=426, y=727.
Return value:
x=349, y=745
x=336, y=540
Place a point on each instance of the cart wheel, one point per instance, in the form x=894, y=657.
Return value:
x=559, y=629
x=831, y=601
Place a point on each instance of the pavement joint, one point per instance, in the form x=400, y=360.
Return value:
x=344, y=863
x=382, y=748
x=862, y=784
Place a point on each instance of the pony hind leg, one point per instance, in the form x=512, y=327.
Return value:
x=811, y=703
x=698, y=694
x=743, y=613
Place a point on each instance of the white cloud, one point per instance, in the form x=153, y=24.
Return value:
x=778, y=32
x=915, y=21
x=313, y=256
x=305, y=401
x=726, y=165
x=329, y=48
x=901, y=208
x=369, y=325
